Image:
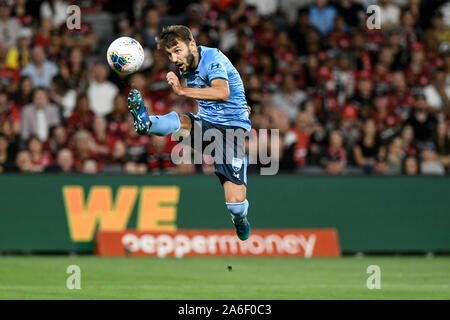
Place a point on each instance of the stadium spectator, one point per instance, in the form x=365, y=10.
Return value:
x=408, y=139
x=352, y=11
x=158, y=155
x=132, y=167
x=422, y=122
x=117, y=120
x=430, y=164
x=296, y=140
x=394, y=157
x=388, y=122
x=101, y=92
x=8, y=77
x=438, y=34
x=37, y=118
x=336, y=156
x=39, y=158
x=441, y=140
x=55, y=10
x=8, y=110
x=58, y=140
x=82, y=117
x=289, y=98
x=152, y=27
x=411, y=166
x=61, y=95
x=63, y=164
x=438, y=92
x=74, y=71
x=40, y=70
x=82, y=150
x=381, y=166
x=349, y=126
x=9, y=26
x=365, y=152
x=89, y=166
x=5, y=159
x=24, y=93
x=19, y=55
x=417, y=73
x=102, y=143
x=7, y=129
x=389, y=13
x=24, y=163
x=321, y=16
x=83, y=37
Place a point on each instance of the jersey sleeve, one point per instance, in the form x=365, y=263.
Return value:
x=215, y=69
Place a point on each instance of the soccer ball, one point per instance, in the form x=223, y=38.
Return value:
x=125, y=55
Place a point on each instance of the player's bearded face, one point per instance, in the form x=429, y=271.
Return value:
x=182, y=56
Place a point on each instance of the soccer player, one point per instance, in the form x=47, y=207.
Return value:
x=211, y=79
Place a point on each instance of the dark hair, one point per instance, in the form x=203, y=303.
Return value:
x=406, y=159
x=170, y=35
x=33, y=137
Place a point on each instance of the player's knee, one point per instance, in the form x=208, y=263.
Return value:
x=238, y=208
x=235, y=198
x=185, y=122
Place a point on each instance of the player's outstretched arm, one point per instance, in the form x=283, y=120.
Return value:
x=219, y=90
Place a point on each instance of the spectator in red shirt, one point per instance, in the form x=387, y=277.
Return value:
x=336, y=155
x=349, y=126
x=39, y=158
x=400, y=98
x=338, y=37
x=409, y=141
x=103, y=144
x=362, y=98
x=58, y=140
x=360, y=56
x=83, y=37
x=117, y=120
x=296, y=141
x=418, y=72
x=137, y=146
x=9, y=111
x=388, y=122
x=82, y=117
x=158, y=156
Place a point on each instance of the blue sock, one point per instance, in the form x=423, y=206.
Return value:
x=166, y=124
x=238, y=210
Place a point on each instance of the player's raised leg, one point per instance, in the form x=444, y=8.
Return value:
x=237, y=204
x=160, y=125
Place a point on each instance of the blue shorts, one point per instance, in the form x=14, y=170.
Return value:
x=226, y=144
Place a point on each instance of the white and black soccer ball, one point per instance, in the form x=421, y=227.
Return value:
x=125, y=55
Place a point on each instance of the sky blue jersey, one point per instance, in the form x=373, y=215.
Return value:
x=213, y=64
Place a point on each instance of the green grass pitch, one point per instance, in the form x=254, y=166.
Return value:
x=44, y=277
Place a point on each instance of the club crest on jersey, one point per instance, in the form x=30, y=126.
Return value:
x=236, y=164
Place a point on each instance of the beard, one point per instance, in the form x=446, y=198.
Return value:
x=190, y=61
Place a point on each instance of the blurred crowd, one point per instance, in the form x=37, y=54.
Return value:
x=346, y=99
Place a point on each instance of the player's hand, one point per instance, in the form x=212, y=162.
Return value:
x=174, y=83
x=249, y=109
